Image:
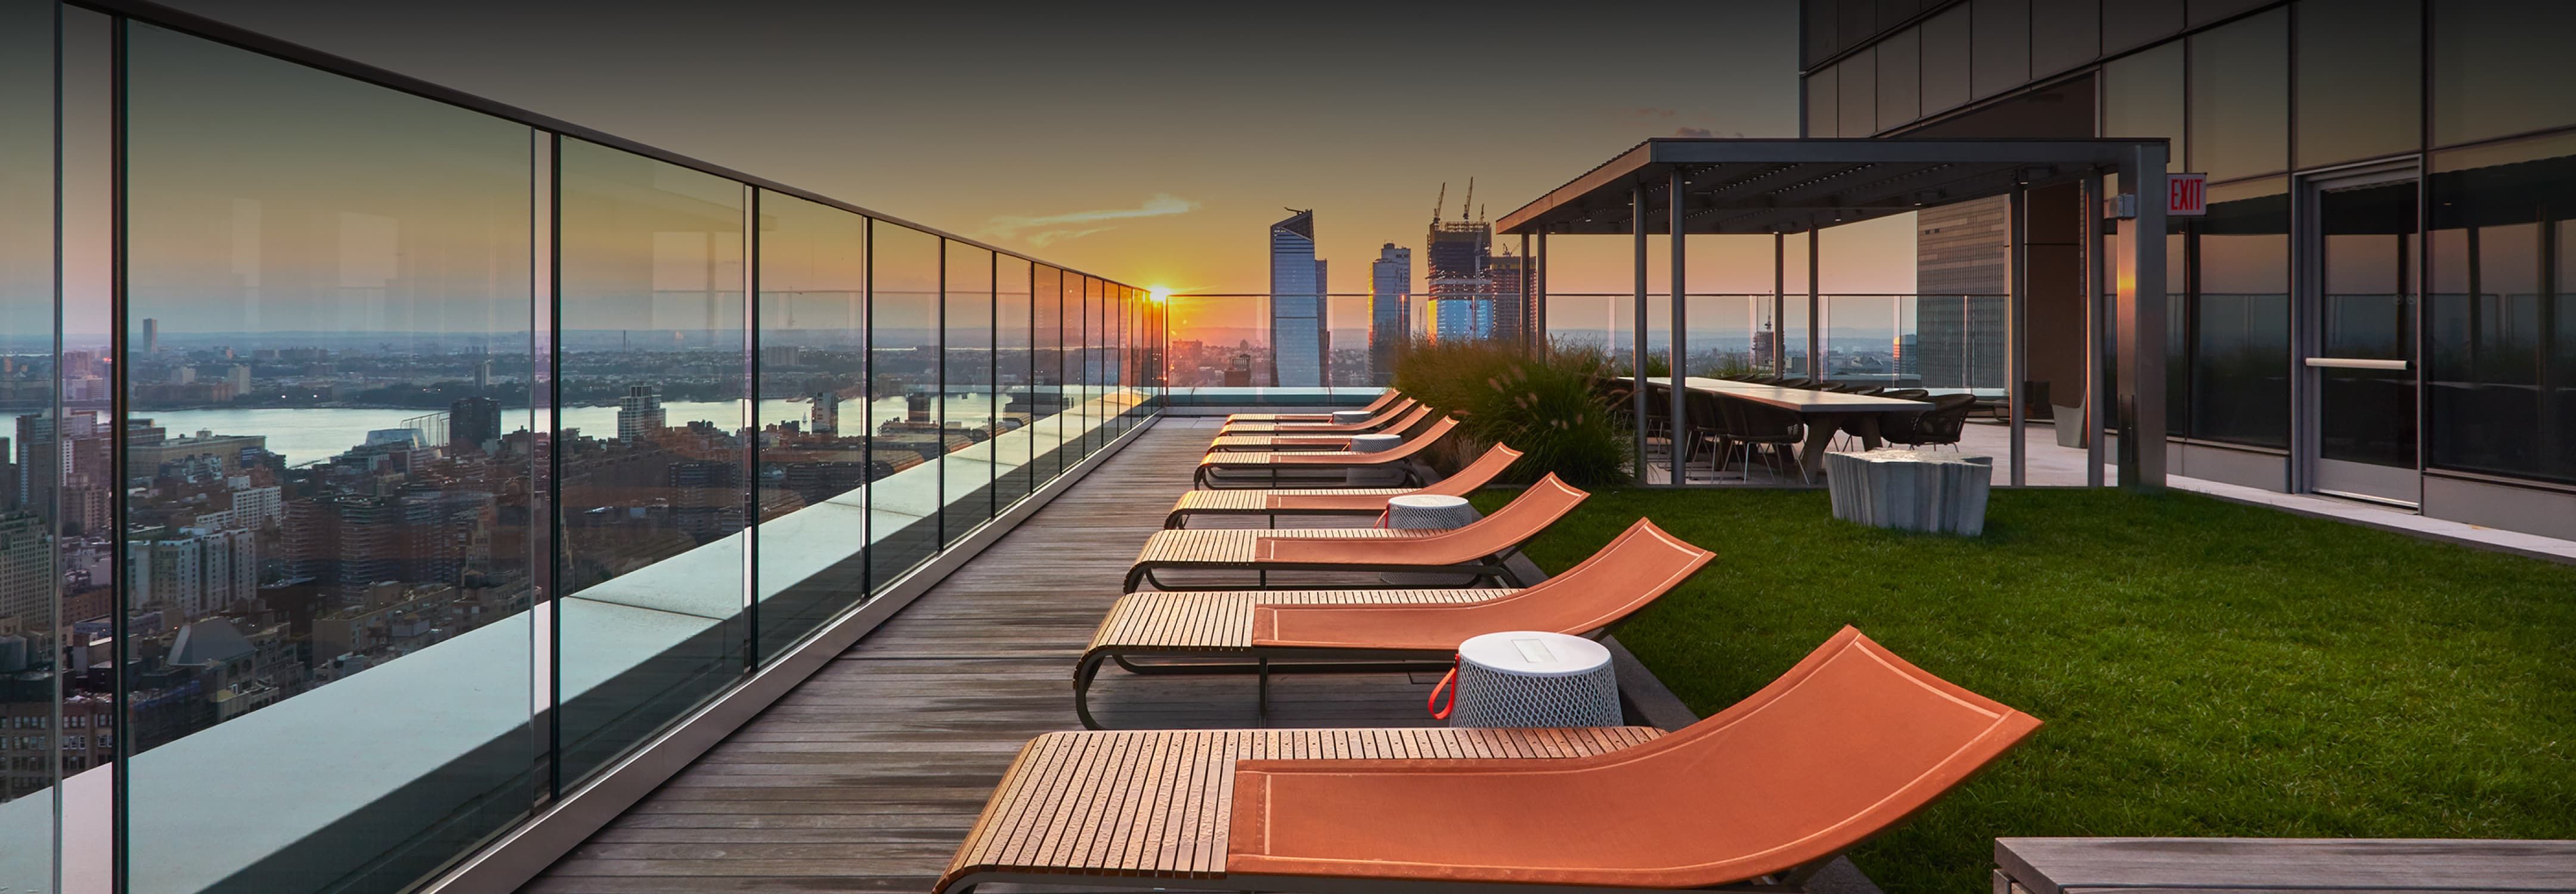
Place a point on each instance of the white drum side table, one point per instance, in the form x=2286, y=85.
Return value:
x=1419, y=511
x=1534, y=679
x=1370, y=444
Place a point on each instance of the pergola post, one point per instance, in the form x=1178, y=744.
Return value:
x=1537, y=275
x=1779, y=303
x=2017, y=328
x=1815, y=313
x=1679, y=454
x=2095, y=341
x=2141, y=318
x=1528, y=309
x=1637, y=320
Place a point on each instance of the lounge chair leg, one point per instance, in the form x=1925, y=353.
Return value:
x=1083, y=674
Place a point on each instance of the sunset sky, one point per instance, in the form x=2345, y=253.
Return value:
x=1150, y=143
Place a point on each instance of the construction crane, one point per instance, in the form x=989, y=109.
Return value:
x=1438, y=202
x=1470, y=204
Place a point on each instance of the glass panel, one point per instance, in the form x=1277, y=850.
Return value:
x=1823, y=116
x=327, y=363
x=2134, y=23
x=1821, y=18
x=2360, y=79
x=1945, y=60
x=2502, y=375
x=2206, y=11
x=904, y=436
x=31, y=617
x=2498, y=68
x=651, y=450
x=1859, y=21
x=1729, y=334
x=2064, y=35
x=1858, y=76
x=2367, y=283
x=2240, y=386
x=1050, y=355
x=2002, y=45
x=966, y=405
x=1900, y=84
x=2240, y=97
x=2142, y=97
x=1868, y=338
x=814, y=465
x=1092, y=420
x=1013, y=346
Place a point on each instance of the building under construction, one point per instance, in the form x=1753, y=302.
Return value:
x=1471, y=295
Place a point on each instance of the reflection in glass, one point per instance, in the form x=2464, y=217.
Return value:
x=968, y=419
x=2063, y=36
x=2240, y=97
x=2240, y=387
x=813, y=440
x=2499, y=68
x=2142, y=97
x=1824, y=116
x=1945, y=60
x=1047, y=390
x=2360, y=79
x=2367, y=312
x=1857, y=80
x=905, y=430
x=326, y=475
x=2132, y=23
x=652, y=452
x=1900, y=84
x=2002, y=44
x=2501, y=395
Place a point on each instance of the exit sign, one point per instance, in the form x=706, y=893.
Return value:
x=2186, y=195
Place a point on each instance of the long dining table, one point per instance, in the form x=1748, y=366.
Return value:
x=1822, y=412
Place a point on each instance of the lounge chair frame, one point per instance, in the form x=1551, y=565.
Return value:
x=1335, y=501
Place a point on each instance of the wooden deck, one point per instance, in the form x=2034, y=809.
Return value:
x=867, y=777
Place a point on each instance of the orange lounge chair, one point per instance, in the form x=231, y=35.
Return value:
x=1407, y=627
x=1335, y=501
x=1373, y=423
x=1760, y=796
x=1258, y=468
x=1479, y=548
x=1411, y=419
x=1382, y=402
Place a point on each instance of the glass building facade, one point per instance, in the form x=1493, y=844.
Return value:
x=1296, y=305
x=387, y=465
x=2376, y=305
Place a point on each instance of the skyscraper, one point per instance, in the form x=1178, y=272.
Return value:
x=1462, y=290
x=1296, y=304
x=151, y=336
x=1506, y=272
x=1390, y=310
x=639, y=413
x=827, y=412
x=471, y=421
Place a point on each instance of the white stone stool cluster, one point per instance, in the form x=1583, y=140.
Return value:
x=1911, y=490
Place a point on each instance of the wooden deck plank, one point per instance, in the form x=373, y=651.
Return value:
x=888, y=754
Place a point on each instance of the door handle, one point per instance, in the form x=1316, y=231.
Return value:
x=2354, y=363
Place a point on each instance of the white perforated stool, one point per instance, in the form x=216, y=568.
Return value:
x=1351, y=417
x=1418, y=511
x=1372, y=444
x=1527, y=678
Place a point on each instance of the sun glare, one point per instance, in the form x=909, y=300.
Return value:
x=1158, y=293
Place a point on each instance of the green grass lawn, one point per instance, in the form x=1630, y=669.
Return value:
x=2204, y=668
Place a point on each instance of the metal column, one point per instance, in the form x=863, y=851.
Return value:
x=1779, y=304
x=2141, y=321
x=1529, y=309
x=2096, y=343
x=1679, y=454
x=1815, y=316
x=2017, y=328
x=1538, y=291
x=1637, y=348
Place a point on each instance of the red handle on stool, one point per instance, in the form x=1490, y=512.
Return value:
x=1439, y=712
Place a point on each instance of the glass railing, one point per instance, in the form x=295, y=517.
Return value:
x=1220, y=349
x=393, y=463
x=1940, y=343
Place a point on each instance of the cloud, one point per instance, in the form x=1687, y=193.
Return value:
x=1042, y=229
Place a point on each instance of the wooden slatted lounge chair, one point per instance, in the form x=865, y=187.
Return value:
x=1758, y=797
x=1380, y=420
x=1381, y=403
x=1478, y=549
x=1335, y=501
x=1399, y=629
x=1260, y=468
x=1411, y=419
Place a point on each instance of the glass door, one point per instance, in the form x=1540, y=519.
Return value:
x=2361, y=359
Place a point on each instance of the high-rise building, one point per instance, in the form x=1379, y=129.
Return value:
x=1506, y=271
x=239, y=376
x=483, y=375
x=827, y=412
x=26, y=571
x=1296, y=304
x=1390, y=310
x=151, y=336
x=639, y=413
x=1457, y=256
x=1959, y=257
x=473, y=421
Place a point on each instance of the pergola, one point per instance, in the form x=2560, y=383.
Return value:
x=1679, y=187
